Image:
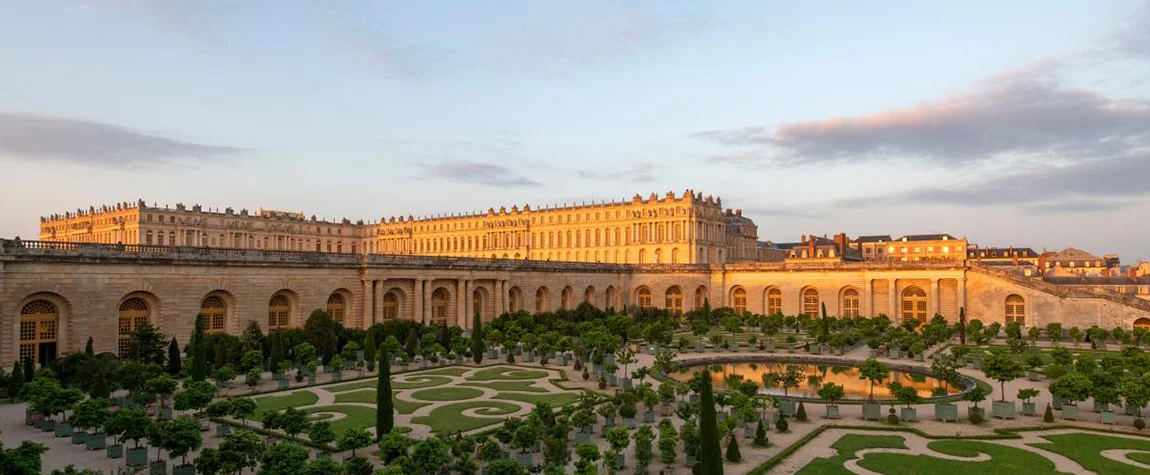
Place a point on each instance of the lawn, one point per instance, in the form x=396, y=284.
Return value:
x=356, y=416
x=555, y=399
x=454, y=393
x=368, y=397
x=419, y=381
x=276, y=403
x=507, y=373
x=452, y=371
x=449, y=419
x=847, y=446
x=522, y=386
x=339, y=388
x=1086, y=448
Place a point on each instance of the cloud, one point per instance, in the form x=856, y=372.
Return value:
x=1134, y=39
x=1009, y=117
x=32, y=137
x=636, y=172
x=467, y=171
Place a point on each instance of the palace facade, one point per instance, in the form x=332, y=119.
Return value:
x=93, y=273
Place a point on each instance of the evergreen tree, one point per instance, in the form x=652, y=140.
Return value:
x=276, y=352
x=412, y=342
x=29, y=369
x=477, y=339
x=175, y=365
x=826, y=322
x=733, y=454
x=761, y=435
x=962, y=325
x=16, y=381
x=801, y=414
x=88, y=348
x=199, y=352
x=369, y=353
x=384, y=414
x=710, y=455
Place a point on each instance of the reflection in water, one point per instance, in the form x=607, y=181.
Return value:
x=812, y=378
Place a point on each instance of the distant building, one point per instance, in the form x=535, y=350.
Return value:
x=912, y=247
x=1015, y=256
x=1071, y=261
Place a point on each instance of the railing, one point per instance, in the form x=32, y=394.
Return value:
x=1064, y=290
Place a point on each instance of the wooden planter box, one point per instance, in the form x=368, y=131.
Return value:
x=1056, y=402
x=976, y=410
x=919, y=357
x=114, y=451
x=946, y=412
x=1108, y=417
x=1070, y=412
x=872, y=411
x=908, y=414
x=787, y=407
x=79, y=437
x=64, y=429
x=158, y=467
x=1100, y=408
x=223, y=429
x=96, y=441
x=186, y=469
x=137, y=456
x=1033, y=375
x=832, y=411
x=1029, y=409
x=1003, y=409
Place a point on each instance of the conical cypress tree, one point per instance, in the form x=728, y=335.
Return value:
x=733, y=454
x=801, y=414
x=276, y=352
x=29, y=369
x=175, y=365
x=369, y=352
x=826, y=322
x=384, y=414
x=710, y=454
x=199, y=353
x=1048, y=416
x=16, y=382
x=412, y=342
x=962, y=325
x=477, y=339
x=88, y=347
x=761, y=435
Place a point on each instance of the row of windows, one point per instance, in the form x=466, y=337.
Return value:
x=913, y=304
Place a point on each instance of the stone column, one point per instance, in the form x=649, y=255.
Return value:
x=425, y=317
x=498, y=296
x=377, y=292
x=468, y=305
x=934, y=306
x=504, y=293
x=892, y=293
x=868, y=298
x=417, y=301
x=961, y=294
x=460, y=301
x=365, y=309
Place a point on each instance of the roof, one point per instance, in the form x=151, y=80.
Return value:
x=1098, y=280
x=1072, y=254
x=1001, y=252
x=926, y=237
x=875, y=238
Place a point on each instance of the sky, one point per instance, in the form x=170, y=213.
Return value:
x=1022, y=123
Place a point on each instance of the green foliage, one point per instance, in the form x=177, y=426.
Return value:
x=908, y=395
x=195, y=396
x=1026, y=394
x=1003, y=367
x=175, y=364
x=240, y=450
x=477, y=346
x=287, y=458
x=1073, y=387
x=709, y=456
x=385, y=413
x=733, y=454
x=801, y=413
x=22, y=460
x=199, y=351
x=1048, y=415
x=781, y=424
x=873, y=371
x=354, y=438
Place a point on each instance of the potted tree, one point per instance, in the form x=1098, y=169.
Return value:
x=975, y=395
x=917, y=349
x=90, y=417
x=689, y=433
x=1070, y=389
x=224, y=376
x=1028, y=408
x=1136, y=391
x=625, y=357
x=908, y=395
x=945, y=372
x=619, y=438
x=182, y=437
x=608, y=410
x=1003, y=367
x=135, y=427
x=163, y=386
x=584, y=419
x=650, y=400
x=874, y=372
x=831, y=393
x=791, y=378
x=874, y=345
x=1032, y=364
x=525, y=438
x=609, y=370
x=117, y=427
x=338, y=364
x=217, y=410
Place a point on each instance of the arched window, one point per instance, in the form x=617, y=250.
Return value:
x=774, y=302
x=642, y=256
x=675, y=299
x=811, y=302
x=739, y=300
x=133, y=313
x=700, y=296
x=850, y=307
x=1016, y=310
x=390, y=306
x=215, y=313
x=279, y=311
x=675, y=255
x=1143, y=323
x=39, y=327
x=516, y=300
x=589, y=295
x=565, y=299
x=542, y=298
x=439, y=306
x=612, y=297
x=644, y=297
x=335, y=307
x=658, y=256
x=476, y=303
x=914, y=304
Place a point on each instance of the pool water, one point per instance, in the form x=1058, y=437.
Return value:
x=846, y=376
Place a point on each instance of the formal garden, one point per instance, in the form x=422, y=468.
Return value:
x=592, y=391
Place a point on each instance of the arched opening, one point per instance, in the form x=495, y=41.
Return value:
x=850, y=304
x=133, y=313
x=739, y=300
x=565, y=298
x=279, y=312
x=515, y=300
x=642, y=256
x=675, y=255
x=542, y=300
x=589, y=295
x=39, y=329
x=658, y=256
x=390, y=306
x=476, y=304
x=774, y=301
x=1143, y=323
x=811, y=302
x=700, y=296
x=643, y=296
x=612, y=297
x=336, y=307
x=215, y=312
x=439, y=306
x=674, y=299
x=1016, y=310
x=914, y=304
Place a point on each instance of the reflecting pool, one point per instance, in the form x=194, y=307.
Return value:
x=813, y=376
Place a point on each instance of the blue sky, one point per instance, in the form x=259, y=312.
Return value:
x=1020, y=123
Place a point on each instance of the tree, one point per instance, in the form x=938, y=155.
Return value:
x=322, y=332
x=252, y=378
x=182, y=436
x=1027, y=394
x=146, y=344
x=175, y=365
x=292, y=421
x=22, y=460
x=199, y=350
x=643, y=450
x=477, y=346
x=88, y=348
x=873, y=371
x=668, y=440
x=320, y=433
x=276, y=352
x=710, y=458
x=283, y=459
x=384, y=413
x=369, y=350
x=907, y=395
x=1076, y=335
x=430, y=455
x=242, y=408
x=1136, y=392
x=588, y=454
x=91, y=415
x=1073, y=387
x=1002, y=367
x=240, y=450
x=327, y=466
x=1054, y=332
x=163, y=386
x=195, y=396
x=961, y=325
x=130, y=424
x=394, y=444
x=354, y=438
x=831, y=392
x=733, y=454
x=16, y=381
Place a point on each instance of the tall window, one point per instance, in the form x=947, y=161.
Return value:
x=515, y=302
x=1143, y=323
x=700, y=296
x=390, y=306
x=644, y=295
x=133, y=313
x=1015, y=310
x=541, y=300
x=850, y=303
x=913, y=304
x=612, y=298
x=589, y=295
x=811, y=302
x=39, y=320
x=279, y=310
x=675, y=299
x=335, y=307
x=439, y=306
x=565, y=299
x=215, y=312
x=476, y=303
x=774, y=302
x=739, y=300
